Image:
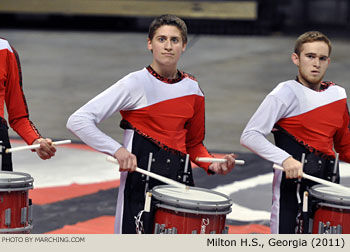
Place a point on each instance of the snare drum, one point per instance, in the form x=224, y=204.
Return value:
x=190, y=211
x=15, y=207
x=332, y=214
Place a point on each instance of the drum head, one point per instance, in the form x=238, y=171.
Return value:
x=331, y=194
x=12, y=181
x=193, y=199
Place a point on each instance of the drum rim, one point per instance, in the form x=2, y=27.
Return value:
x=224, y=205
x=16, y=230
x=194, y=211
x=330, y=205
x=337, y=199
x=25, y=181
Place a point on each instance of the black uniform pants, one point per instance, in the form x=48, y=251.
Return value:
x=4, y=137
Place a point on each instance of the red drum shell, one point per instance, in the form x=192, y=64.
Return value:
x=333, y=206
x=14, y=202
x=187, y=223
x=336, y=215
x=195, y=210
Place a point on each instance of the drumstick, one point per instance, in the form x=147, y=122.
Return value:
x=35, y=146
x=151, y=174
x=315, y=179
x=219, y=160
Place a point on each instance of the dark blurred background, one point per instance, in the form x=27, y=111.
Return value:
x=260, y=17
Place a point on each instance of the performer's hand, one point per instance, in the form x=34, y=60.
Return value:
x=127, y=161
x=224, y=168
x=46, y=150
x=293, y=168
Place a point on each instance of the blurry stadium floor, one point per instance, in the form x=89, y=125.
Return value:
x=76, y=191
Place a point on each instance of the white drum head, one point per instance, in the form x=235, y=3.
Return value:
x=192, y=199
x=12, y=181
x=191, y=194
x=331, y=194
x=10, y=176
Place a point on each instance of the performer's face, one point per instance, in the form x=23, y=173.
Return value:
x=312, y=62
x=166, y=46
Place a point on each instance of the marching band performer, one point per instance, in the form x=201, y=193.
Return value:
x=306, y=115
x=162, y=112
x=11, y=94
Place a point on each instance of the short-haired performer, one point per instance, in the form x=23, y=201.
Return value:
x=306, y=115
x=162, y=112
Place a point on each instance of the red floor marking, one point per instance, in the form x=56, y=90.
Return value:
x=42, y=196
x=99, y=225
x=249, y=229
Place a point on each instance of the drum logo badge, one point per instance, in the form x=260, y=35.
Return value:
x=205, y=223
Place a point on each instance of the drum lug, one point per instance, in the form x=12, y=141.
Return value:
x=156, y=229
x=170, y=231
x=8, y=217
x=328, y=229
x=174, y=230
x=23, y=215
x=320, y=227
x=225, y=230
x=339, y=229
x=160, y=229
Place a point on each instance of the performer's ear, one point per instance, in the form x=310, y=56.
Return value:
x=295, y=59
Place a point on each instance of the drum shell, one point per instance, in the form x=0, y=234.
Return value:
x=187, y=223
x=335, y=214
x=190, y=215
x=330, y=207
x=15, y=206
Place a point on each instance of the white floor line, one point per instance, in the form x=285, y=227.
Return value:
x=241, y=213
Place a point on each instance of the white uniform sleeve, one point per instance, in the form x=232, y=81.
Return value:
x=254, y=135
x=83, y=122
